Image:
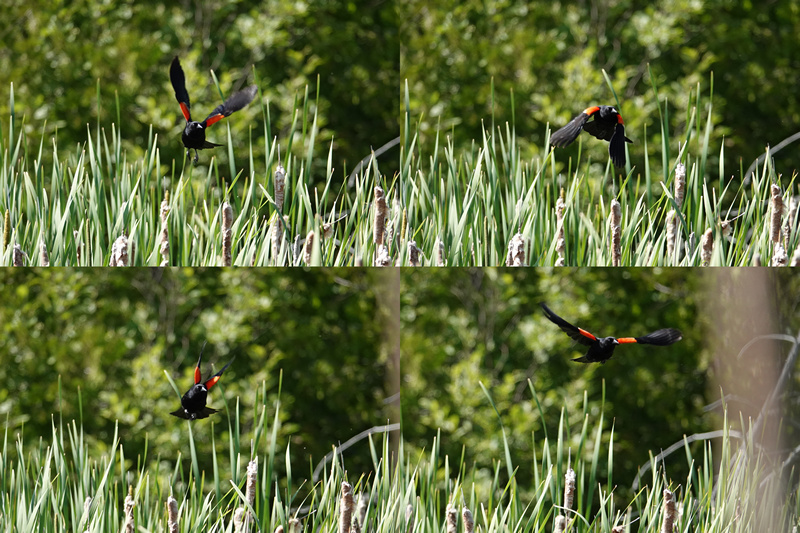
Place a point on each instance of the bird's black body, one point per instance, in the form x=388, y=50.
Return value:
x=602, y=348
x=607, y=126
x=194, y=134
x=193, y=403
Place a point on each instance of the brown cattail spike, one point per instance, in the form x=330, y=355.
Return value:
x=669, y=512
x=130, y=526
x=163, y=246
x=680, y=184
x=451, y=518
x=380, y=216
x=615, y=224
x=119, y=252
x=706, y=247
x=516, y=251
x=172, y=515
x=467, y=520
x=280, y=186
x=346, y=507
x=227, y=233
x=776, y=203
x=561, y=247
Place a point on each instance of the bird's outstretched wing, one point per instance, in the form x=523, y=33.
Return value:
x=566, y=135
x=580, y=335
x=236, y=102
x=179, y=85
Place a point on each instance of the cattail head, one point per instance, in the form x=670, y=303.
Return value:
x=119, y=252
x=516, y=251
x=777, y=211
x=345, y=507
x=451, y=518
x=668, y=519
x=172, y=515
x=227, y=232
x=569, y=488
x=706, y=247
x=280, y=186
x=381, y=210
x=308, y=249
x=560, y=525
x=680, y=184
x=163, y=247
x=672, y=218
x=439, y=253
x=779, y=256
x=413, y=253
x=6, y=229
x=382, y=258
x=561, y=244
x=129, y=504
x=467, y=520
x=44, y=258
x=615, y=224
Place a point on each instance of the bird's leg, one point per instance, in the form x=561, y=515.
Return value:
x=196, y=156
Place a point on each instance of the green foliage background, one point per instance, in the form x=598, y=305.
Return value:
x=551, y=56
x=465, y=327
x=56, y=53
x=107, y=336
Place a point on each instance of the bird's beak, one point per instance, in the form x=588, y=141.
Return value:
x=616, y=341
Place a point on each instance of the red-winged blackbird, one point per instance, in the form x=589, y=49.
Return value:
x=607, y=125
x=194, y=134
x=193, y=403
x=601, y=349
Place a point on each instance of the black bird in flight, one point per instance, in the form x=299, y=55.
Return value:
x=193, y=403
x=602, y=348
x=607, y=125
x=194, y=134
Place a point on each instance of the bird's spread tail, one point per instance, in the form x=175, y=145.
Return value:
x=662, y=337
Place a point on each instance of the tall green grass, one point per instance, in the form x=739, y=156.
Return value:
x=54, y=485
x=474, y=201
x=92, y=194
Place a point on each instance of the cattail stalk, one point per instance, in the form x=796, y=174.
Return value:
x=467, y=520
x=119, y=252
x=163, y=247
x=615, y=222
x=706, y=247
x=172, y=515
x=777, y=211
x=561, y=245
x=346, y=507
x=130, y=526
x=451, y=518
x=516, y=251
x=227, y=233
x=669, y=512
